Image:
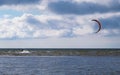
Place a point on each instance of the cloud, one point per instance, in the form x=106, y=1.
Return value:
x=110, y=26
x=39, y=26
x=29, y=26
x=21, y=6
x=18, y=2
x=111, y=23
x=52, y=25
x=68, y=7
x=30, y=19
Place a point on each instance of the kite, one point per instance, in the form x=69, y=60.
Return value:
x=99, y=24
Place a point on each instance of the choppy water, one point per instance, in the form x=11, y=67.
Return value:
x=60, y=65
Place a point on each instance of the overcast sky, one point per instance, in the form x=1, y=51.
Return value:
x=59, y=23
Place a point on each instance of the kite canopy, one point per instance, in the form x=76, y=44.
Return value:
x=99, y=24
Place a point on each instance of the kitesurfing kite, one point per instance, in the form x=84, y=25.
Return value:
x=99, y=24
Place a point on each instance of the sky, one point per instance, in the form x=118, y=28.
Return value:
x=59, y=23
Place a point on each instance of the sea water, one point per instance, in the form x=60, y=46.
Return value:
x=59, y=65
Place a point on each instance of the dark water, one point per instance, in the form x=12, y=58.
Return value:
x=60, y=65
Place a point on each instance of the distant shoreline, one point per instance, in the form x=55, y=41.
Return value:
x=58, y=52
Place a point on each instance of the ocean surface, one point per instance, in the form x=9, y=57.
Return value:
x=59, y=65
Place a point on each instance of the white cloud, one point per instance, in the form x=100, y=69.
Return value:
x=83, y=31
x=105, y=2
x=107, y=32
x=6, y=16
x=18, y=27
x=49, y=33
x=45, y=17
x=51, y=25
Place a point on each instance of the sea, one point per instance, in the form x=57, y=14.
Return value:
x=59, y=65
